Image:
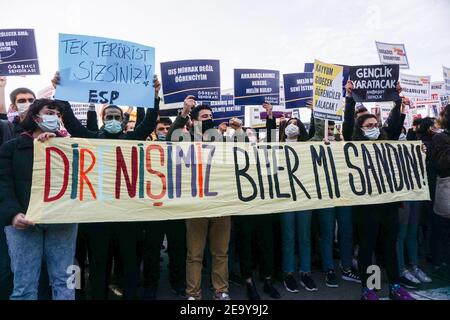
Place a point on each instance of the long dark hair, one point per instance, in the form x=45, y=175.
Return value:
x=28, y=123
x=302, y=135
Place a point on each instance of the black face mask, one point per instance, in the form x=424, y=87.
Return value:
x=207, y=124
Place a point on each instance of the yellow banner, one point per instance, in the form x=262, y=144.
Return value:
x=79, y=180
x=327, y=91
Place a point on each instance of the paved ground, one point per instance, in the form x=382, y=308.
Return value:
x=439, y=289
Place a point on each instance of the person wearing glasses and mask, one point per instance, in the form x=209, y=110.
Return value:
x=378, y=220
x=125, y=233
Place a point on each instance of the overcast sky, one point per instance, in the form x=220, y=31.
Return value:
x=281, y=35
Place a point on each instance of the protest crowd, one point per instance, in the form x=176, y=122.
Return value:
x=253, y=251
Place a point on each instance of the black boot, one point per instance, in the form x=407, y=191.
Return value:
x=252, y=293
x=270, y=289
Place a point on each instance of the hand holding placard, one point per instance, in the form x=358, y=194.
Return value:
x=349, y=88
x=156, y=85
x=269, y=109
x=188, y=104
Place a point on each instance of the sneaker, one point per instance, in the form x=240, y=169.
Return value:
x=221, y=296
x=270, y=289
x=307, y=282
x=331, y=279
x=150, y=293
x=408, y=280
x=290, y=284
x=420, y=275
x=369, y=294
x=116, y=290
x=397, y=292
x=178, y=289
x=191, y=298
x=350, y=275
x=252, y=293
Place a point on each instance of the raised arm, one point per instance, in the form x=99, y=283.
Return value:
x=349, y=113
x=140, y=114
x=182, y=118
x=73, y=125
x=92, y=121
x=147, y=126
x=271, y=123
x=396, y=117
x=3, y=111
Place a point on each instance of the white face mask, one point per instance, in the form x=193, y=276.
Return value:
x=50, y=123
x=372, y=134
x=291, y=131
x=23, y=107
x=113, y=126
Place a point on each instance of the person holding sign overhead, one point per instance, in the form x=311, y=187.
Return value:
x=378, y=220
x=101, y=234
x=197, y=230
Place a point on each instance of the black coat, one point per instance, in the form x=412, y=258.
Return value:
x=16, y=171
x=440, y=154
x=141, y=131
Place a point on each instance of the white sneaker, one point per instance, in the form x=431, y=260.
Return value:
x=420, y=275
x=410, y=276
x=191, y=298
x=222, y=296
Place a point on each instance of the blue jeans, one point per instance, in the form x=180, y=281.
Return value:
x=345, y=234
x=291, y=223
x=407, y=234
x=54, y=243
x=327, y=225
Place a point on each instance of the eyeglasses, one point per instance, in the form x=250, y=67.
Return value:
x=30, y=100
x=371, y=125
x=110, y=117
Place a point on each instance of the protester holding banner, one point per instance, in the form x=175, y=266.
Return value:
x=261, y=228
x=198, y=230
x=175, y=232
x=409, y=221
x=441, y=159
x=10, y=128
x=30, y=244
x=101, y=234
x=295, y=225
x=327, y=220
x=372, y=220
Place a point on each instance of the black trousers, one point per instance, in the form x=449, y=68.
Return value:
x=6, y=276
x=175, y=230
x=379, y=221
x=100, y=238
x=260, y=227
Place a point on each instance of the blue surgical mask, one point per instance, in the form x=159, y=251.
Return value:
x=161, y=136
x=49, y=123
x=113, y=126
x=372, y=134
